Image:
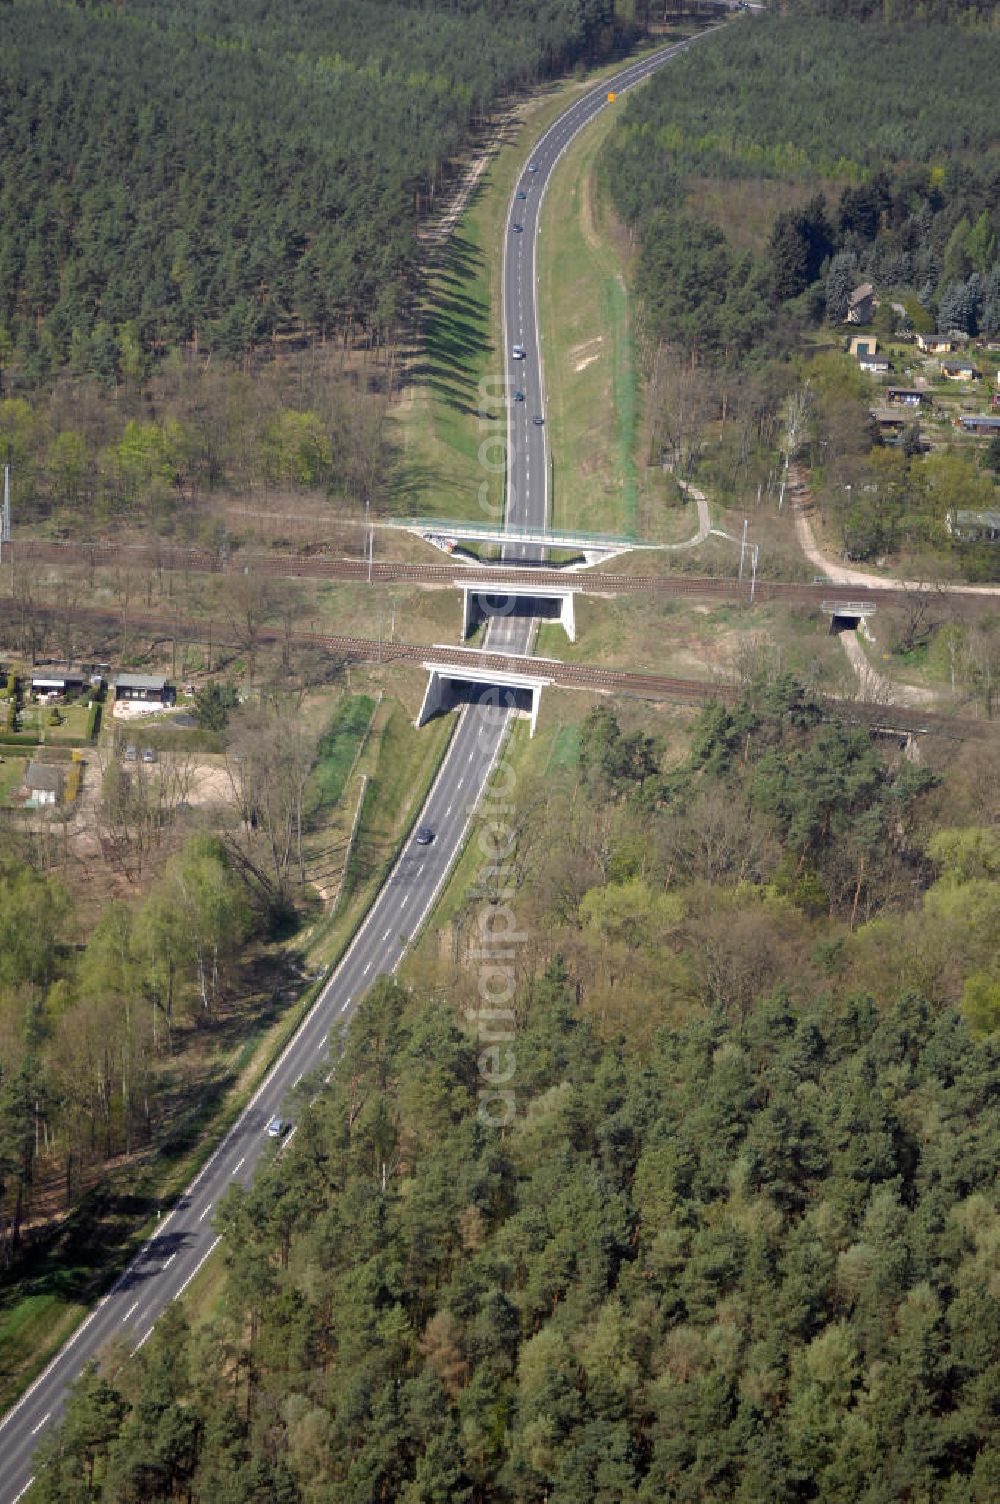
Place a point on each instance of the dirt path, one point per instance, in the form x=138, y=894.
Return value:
x=876, y=689
x=704, y=519
x=839, y=574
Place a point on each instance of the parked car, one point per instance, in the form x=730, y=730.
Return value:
x=278, y=1127
x=149, y=754
x=131, y=753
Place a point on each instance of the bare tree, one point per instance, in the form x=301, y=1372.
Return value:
x=268, y=761
x=248, y=600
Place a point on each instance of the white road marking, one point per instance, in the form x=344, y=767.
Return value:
x=194, y=1271
x=368, y=968
x=35, y=1429
x=387, y=934
x=406, y=896
x=240, y=1165
x=298, y=1078
x=170, y=1260
x=205, y=1212
x=24, y=1490
x=142, y=1341
x=133, y=1307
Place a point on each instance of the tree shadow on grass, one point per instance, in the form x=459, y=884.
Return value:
x=454, y=335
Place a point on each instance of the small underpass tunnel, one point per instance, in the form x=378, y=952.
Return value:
x=485, y=602
x=501, y=696
x=449, y=687
x=843, y=621
x=848, y=616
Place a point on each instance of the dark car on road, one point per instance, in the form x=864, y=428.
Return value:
x=425, y=835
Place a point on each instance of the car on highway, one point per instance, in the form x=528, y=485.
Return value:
x=425, y=835
x=521, y=193
x=278, y=1127
x=532, y=166
x=518, y=396
x=518, y=352
x=518, y=229
x=538, y=420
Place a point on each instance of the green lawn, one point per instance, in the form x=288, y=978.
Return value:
x=590, y=378
x=12, y=771
x=335, y=754
x=437, y=425
x=34, y=720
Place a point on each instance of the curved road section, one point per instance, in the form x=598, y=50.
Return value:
x=184, y=1240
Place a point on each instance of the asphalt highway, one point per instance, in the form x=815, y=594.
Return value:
x=186, y=1237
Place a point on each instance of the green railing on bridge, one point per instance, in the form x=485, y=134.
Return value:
x=450, y=527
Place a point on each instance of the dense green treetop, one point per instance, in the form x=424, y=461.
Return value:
x=912, y=175
x=198, y=171
x=899, y=12
x=753, y=1264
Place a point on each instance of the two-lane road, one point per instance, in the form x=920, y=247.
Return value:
x=186, y=1237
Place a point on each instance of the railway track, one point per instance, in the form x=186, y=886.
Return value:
x=386, y=572
x=650, y=686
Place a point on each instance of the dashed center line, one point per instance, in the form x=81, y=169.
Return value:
x=132, y=1308
x=240, y=1165
x=205, y=1212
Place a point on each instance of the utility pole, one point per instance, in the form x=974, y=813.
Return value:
x=743, y=548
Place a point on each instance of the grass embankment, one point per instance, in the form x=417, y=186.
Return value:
x=393, y=774
x=437, y=424
x=601, y=483
x=697, y=641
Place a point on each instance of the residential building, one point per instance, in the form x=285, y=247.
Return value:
x=44, y=782
x=861, y=304
x=974, y=527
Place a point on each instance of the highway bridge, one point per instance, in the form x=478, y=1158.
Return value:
x=186, y=1238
